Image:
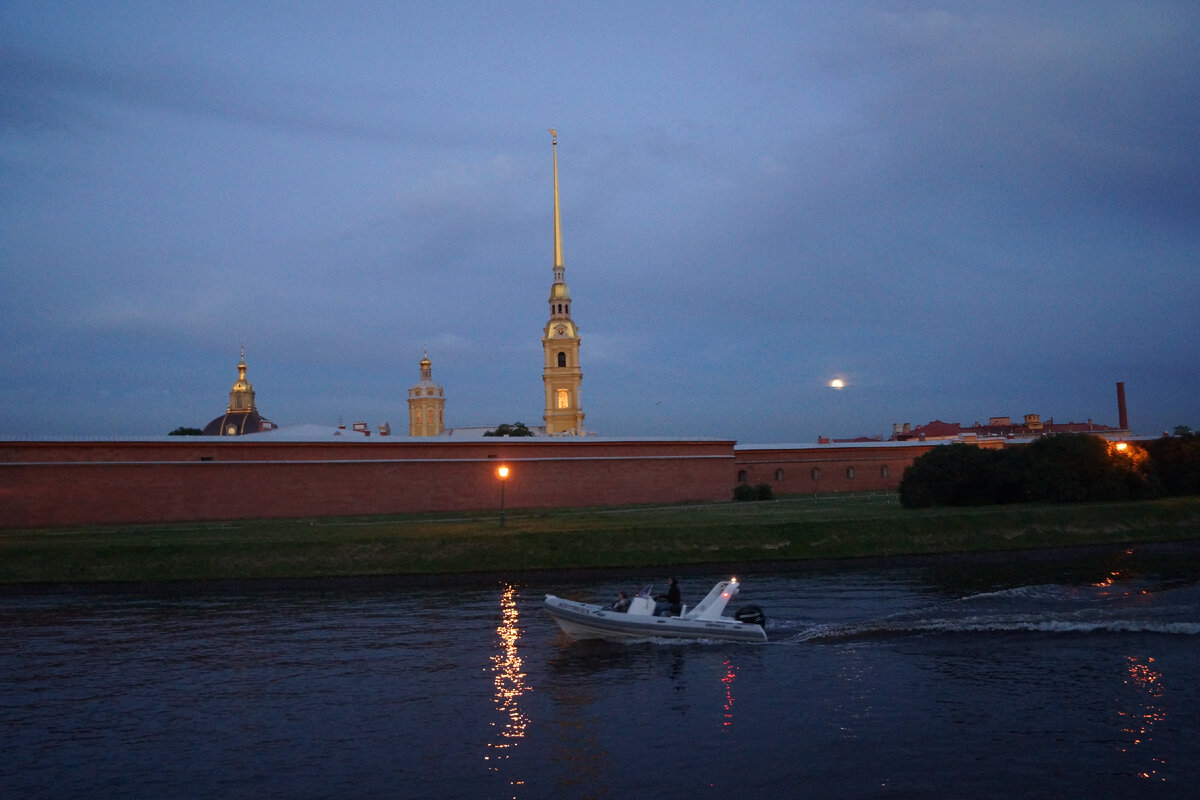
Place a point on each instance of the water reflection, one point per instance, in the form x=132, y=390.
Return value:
x=1119, y=573
x=509, y=682
x=1138, y=723
x=727, y=680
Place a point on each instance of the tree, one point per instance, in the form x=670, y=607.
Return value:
x=950, y=475
x=1076, y=467
x=516, y=429
x=1067, y=468
x=182, y=431
x=1064, y=468
x=1175, y=462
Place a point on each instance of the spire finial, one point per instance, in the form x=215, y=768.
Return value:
x=558, y=259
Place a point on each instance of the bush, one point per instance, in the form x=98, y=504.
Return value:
x=1063, y=468
x=744, y=492
x=955, y=475
x=1074, y=469
x=1175, y=461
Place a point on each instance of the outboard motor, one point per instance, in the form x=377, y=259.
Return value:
x=752, y=615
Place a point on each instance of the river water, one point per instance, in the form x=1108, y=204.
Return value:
x=1023, y=675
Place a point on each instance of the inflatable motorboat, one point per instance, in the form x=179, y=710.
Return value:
x=705, y=621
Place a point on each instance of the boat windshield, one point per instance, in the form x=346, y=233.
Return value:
x=645, y=592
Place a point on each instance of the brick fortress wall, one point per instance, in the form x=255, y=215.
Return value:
x=46, y=484
x=827, y=468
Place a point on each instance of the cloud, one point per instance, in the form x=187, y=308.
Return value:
x=954, y=206
x=47, y=93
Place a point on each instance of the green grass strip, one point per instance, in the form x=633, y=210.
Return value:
x=788, y=529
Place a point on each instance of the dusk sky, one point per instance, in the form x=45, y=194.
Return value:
x=961, y=210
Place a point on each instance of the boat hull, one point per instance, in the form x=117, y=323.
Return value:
x=585, y=621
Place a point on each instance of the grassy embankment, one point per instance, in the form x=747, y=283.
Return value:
x=723, y=533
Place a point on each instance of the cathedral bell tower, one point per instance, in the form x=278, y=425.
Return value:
x=560, y=341
x=426, y=403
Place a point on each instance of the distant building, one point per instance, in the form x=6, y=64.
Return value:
x=241, y=416
x=1031, y=425
x=426, y=404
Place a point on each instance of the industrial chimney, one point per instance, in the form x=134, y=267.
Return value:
x=1121, y=415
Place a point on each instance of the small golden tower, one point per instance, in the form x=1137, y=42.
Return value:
x=241, y=396
x=241, y=415
x=426, y=403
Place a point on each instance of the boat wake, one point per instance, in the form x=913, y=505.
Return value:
x=1043, y=609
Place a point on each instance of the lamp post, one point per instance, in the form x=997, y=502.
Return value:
x=502, y=473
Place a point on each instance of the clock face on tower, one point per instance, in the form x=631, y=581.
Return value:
x=561, y=330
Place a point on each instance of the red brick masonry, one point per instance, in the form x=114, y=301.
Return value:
x=811, y=469
x=48, y=484
x=45, y=484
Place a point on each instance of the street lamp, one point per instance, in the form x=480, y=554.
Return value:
x=502, y=473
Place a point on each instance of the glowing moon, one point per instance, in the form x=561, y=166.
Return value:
x=837, y=383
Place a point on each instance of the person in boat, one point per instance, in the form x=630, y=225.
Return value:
x=672, y=604
x=621, y=603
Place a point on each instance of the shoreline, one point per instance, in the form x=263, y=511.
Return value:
x=736, y=538
x=253, y=585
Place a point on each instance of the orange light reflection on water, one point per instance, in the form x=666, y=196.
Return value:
x=1116, y=576
x=1138, y=723
x=727, y=679
x=509, y=682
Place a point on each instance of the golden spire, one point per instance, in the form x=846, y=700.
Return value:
x=426, y=367
x=241, y=396
x=558, y=258
x=560, y=341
